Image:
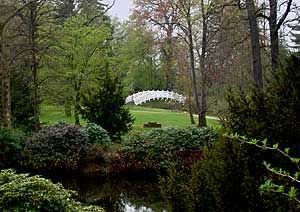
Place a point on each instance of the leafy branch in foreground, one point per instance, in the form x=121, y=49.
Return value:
x=291, y=178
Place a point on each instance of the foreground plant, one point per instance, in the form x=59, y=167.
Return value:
x=281, y=180
x=21, y=192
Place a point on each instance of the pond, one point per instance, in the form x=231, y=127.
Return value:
x=119, y=193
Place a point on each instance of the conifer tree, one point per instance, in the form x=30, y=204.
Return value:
x=104, y=106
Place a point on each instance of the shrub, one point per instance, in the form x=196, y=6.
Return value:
x=96, y=133
x=157, y=148
x=11, y=145
x=272, y=113
x=21, y=192
x=60, y=146
x=225, y=179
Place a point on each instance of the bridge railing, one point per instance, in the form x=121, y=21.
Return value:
x=144, y=96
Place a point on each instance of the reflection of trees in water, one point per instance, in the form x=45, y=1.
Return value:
x=116, y=194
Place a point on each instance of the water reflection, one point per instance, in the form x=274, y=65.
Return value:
x=119, y=194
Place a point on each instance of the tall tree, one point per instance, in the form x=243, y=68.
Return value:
x=185, y=9
x=255, y=44
x=274, y=25
x=81, y=52
x=140, y=60
x=9, y=11
x=37, y=17
x=161, y=14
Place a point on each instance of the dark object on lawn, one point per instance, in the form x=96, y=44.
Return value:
x=152, y=125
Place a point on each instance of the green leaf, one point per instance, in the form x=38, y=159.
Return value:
x=287, y=150
x=292, y=193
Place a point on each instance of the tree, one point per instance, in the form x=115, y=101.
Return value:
x=37, y=18
x=9, y=12
x=185, y=23
x=104, y=106
x=255, y=45
x=138, y=60
x=271, y=113
x=274, y=25
x=81, y=52
x=162, y=15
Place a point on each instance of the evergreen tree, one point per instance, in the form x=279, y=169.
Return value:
x=272, y=113
x=104, y=106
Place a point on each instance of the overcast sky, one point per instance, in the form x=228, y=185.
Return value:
x=121, y=8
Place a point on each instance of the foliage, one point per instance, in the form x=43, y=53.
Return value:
x=96, y=133
x=225, y=179
x=79, y=56
x=138, y=60
x=21, y=192
x=105, y=107
x=282, y=180
x=56, y=147
x=159, y=147
x=22, y=105
x=273, y=113
x=11, y=145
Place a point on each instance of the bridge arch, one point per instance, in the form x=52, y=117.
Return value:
x=144, y=96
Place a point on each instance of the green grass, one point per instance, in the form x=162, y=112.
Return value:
x=167, y=118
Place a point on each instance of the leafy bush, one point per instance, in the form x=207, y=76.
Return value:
x=21, y=192
x=11, y=145
x=225, y=179
x=272, y=113
x=104, y=106
x=96, y=133
x=157, y=148
x=60, y=146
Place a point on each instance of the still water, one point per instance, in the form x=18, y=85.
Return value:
x=119, y=194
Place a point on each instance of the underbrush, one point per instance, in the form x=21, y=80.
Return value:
x=155, y=150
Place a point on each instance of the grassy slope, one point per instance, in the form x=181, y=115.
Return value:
x=52, y=114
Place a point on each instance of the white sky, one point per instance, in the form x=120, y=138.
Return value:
x=121, y=9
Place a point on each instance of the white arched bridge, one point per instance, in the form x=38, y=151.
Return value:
x=144, y=96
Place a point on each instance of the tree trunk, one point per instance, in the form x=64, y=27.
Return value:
x=192, y=67
x=77, y=108
x=274, y=34
x=255, y=46
x=34, y=62
x=68, y=110
x=6, y=100
x=203, y=108
x=5, y=78
x=36, y=100
x=168, y=54
x=190, y=100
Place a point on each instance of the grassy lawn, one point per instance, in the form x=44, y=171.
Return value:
x=167, y=118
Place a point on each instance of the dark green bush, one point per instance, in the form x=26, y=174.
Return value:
x=157, y=148
x=273, y=113
x=60, y=146
x=225, y=179
x=97, y=134
x=11, y=145
x=22, y=193
x=105, y=106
